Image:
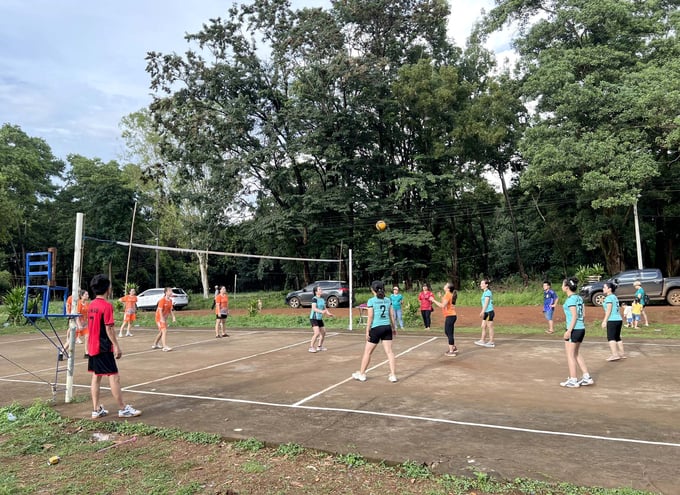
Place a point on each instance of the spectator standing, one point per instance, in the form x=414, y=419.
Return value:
x=425, y=298
x=396, y=298
x=636, y=311
x=627, y=314
x=549, y=302
x=640, y=295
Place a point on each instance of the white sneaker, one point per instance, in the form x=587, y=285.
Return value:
x=312, y=349
x=480, y=343
x=321, y=348
x=585, y=381
x=392, y=378
x=490, y=345
x=155, y=346
x=120, y=335
x=99, y=413
x=128, y=334
x=129, y=412
x=359, y=376
x=166, y=349
x=570, y=383
x=78, y=341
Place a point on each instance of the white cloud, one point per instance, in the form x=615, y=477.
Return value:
x=71, y=70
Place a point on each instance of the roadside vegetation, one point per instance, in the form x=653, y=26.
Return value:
x=43, y=452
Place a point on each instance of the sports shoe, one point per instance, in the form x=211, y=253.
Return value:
x=392, y=378
x=490, y=344
x=78, y=341
x=321, y=348
x=480, y=343
x=585, y=381
x=129, y=335
x=570, y=383
x=451, y=353
x=99, y=413
x=166, y=349
x=312, y=349
x=359, y=376
x=156, y=346
x=129, y=412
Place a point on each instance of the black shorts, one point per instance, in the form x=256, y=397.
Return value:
x=103, y=363
x=221, y=317
x=614, y=330
x=577, y=335
x=316, y=323
x=489, y=315
x=376, y=334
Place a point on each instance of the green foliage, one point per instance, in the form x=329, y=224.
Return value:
x=5, y=281
x=14, y=305
x=290, y=449
x=253, y=467
x=583, y=272
x=351, y=460
x=249, y=445
x=414, y=470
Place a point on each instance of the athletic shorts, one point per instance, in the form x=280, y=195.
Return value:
x=316, y=323
x=130, y=317
x=102, y=364
x=221, y=317
x=577, y=335
x=376, y=334
x=489, y=315
x=549, y=314
x=614, y=330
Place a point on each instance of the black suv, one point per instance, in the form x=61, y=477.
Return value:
x=335, y=292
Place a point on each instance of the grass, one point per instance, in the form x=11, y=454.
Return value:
x=169, y=461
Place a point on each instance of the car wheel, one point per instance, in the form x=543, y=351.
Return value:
x=294, y=302
x=673, y=297
x=597, y=299
x=333, y=302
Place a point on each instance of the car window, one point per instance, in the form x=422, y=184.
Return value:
x=151, y=292
x=649, y=275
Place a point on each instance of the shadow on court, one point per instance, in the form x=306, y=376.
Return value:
x=499, y=411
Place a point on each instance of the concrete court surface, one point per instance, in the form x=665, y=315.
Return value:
x=499, y=411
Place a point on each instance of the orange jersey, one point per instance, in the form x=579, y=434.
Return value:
x=130, y=303
x=448, y=309
x=221, y=304
x=81, y=321
x=163, y=309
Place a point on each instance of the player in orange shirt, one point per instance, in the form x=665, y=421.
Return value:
x=163, y=310
x=130, y=302
x=71, y=326
x=81, y=320
x=221, y=312
x=448, y=305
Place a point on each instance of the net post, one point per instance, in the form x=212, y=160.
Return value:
x=77, y=261
x=351, y=291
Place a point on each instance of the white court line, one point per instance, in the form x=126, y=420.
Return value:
x=415, y=418
x=300, y=402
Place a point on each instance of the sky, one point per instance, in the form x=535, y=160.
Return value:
x=70, y=70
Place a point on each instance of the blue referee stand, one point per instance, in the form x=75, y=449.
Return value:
x=44, y=301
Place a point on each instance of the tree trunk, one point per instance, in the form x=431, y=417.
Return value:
x=203, y=267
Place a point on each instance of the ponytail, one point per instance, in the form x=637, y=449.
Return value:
x=379, y=288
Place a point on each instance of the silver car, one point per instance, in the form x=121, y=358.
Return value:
x=148, y=300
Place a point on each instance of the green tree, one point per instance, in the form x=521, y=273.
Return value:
x=596, y=71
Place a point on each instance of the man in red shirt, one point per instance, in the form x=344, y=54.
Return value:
x=103, y=348
x=163, y=310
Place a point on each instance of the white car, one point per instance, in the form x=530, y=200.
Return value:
x=148, y=300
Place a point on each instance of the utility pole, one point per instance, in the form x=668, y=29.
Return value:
x=638, y=244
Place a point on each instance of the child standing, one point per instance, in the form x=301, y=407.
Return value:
x=627, y=314
x=636, y=310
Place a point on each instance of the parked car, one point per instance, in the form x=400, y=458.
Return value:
x=335, y=292
x=148, y=300
x=655, y=285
